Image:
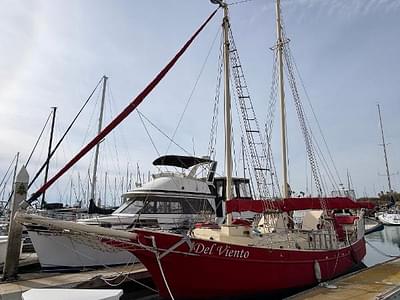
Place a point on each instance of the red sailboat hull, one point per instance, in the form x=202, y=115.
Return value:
x=215, y=269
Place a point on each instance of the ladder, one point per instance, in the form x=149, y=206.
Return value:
x=259, y=158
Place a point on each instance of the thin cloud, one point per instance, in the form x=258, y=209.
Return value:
x=342, y=8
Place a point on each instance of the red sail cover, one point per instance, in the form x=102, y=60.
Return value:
x=291, y=204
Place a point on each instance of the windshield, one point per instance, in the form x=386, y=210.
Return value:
x=244, y=190
x=151, y=204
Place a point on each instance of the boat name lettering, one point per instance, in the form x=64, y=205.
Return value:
x=221, y=250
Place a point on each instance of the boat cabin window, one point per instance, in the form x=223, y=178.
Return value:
x=150, y=204
x=241, y=188
x=244, y=189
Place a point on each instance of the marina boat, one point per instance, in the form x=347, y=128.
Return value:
x=240, y=258
x=390, y=218
x=3, y=248
x=172, y=201
x=372, y=225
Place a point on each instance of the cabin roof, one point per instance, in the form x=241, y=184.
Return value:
x=180, y=161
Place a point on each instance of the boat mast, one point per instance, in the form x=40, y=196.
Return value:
x=384, y=150
x=227, y=107
x=46, y=172
x=279, y=45
x=227, y=111
x=96, y=156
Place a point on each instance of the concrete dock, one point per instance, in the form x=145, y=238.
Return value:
x=89, y=279
x=381, y=281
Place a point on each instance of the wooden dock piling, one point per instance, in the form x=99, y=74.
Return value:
x=10, y=270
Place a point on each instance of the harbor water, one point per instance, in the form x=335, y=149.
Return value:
x=382, y=245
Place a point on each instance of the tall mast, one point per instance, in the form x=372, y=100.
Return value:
x=227, y=111
x=96, y=156
x=384, y=150
x=227, y=108
x=46, y=173
x=279, y=45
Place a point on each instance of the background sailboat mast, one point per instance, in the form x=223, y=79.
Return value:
x=279, y=45
x=96, y=156
x=384, y=151
x=46, y=172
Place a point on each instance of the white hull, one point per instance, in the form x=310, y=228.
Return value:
x=69, y=251
x=390, y=218
x=3, y=248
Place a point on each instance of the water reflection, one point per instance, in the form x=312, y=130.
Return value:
x=381, y=244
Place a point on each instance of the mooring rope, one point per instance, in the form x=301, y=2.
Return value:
x=156, y=253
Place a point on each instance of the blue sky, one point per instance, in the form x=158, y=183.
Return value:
x=54, y=52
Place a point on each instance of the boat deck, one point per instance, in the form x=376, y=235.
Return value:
x=89, y=279
x=381, y=281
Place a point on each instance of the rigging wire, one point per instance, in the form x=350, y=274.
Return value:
x=4, y=188
x=142, y=116
x=62, y=138
x=325, y=164
x=193, y=89
x=273, y=97
x=110, y=151
x=148, y=134
x=214, y=122
x=290, y=69
x=315, y=117
x=301, y=116
x=64, y=150
x=8, y=169
x=316, y=146
x=14, y=174
x=248, y=166
x=163, y=133
x=123, y=114
x=38, y=139
x=239, y=2
x=91, y=124
x=111, y=109
x=249, y=125
x=235, y=163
